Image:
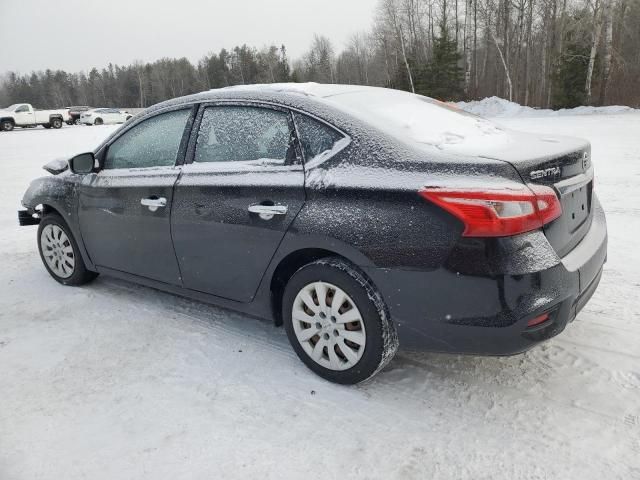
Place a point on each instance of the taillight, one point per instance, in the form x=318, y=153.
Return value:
x=500, y=212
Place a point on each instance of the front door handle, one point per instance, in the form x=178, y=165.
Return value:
x=154, y=203
x=267, y=212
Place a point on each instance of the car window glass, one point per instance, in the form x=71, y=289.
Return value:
x=316, y=137
x=22, y=109
x=152, y=143
x=245, y=134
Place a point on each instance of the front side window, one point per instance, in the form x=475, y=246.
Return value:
x=252, y=135
x=22, y=109
x=317, y=138
x=152, y=143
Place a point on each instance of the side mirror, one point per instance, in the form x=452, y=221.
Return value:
x=83, y=163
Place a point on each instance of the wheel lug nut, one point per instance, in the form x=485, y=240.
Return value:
x=318, y=325
x=326, y=336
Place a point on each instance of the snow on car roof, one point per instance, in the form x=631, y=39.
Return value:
x=415, y=118
x=313, y=89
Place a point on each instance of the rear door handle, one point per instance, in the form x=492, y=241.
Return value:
x=154, y=203
x=267, y=212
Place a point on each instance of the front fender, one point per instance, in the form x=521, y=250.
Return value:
x=59, y=193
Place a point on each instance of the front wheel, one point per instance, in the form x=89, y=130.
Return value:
x=337, y=321
x=98, y=121
x=6, y=125
x=60, y=254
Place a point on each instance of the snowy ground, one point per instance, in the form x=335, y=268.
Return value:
x=116, y=381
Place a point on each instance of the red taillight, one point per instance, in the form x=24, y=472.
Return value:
x=500, y=212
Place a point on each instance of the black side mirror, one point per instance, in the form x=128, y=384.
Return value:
x=83, y=163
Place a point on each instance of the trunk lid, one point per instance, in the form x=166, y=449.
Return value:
x=563, y=163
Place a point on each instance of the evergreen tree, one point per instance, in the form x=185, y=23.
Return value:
x=442, y=77
x=569, y=78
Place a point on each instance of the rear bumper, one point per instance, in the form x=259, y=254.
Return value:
x=487, y=314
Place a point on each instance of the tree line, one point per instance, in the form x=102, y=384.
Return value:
x=541, y=53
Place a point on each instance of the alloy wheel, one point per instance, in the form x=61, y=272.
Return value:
x=329, y=326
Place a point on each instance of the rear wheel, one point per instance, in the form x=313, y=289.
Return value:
x=337, y=322
x=60, y=254
x=56, y=122
x=98, y=121
x=6, y=125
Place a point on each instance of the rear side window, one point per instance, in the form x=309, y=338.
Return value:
x=245, y=134
x=316, y=137
x=152, y=143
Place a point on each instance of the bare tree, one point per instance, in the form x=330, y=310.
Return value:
x=608, y=47
x=597, y=33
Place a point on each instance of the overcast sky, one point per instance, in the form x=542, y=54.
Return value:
x=79, y=34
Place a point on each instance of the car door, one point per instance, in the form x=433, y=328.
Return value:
x=125, y=208
x=108, y=116
x=115, y=116
x=234, y=202
x=24, y=115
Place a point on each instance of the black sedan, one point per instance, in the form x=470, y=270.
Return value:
x=363, y=219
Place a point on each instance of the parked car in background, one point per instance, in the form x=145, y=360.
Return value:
x=104, y=116
x=74, y=113
x=24, y=115
x=361, y=218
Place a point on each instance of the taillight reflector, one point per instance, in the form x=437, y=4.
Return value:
x=500, y=212
x=538, y=320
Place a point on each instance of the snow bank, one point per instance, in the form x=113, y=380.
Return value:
x=499, y=107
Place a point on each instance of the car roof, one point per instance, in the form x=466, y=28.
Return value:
x=289, y=93
x=312, y=98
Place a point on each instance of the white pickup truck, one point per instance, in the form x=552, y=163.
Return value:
x=24, y=115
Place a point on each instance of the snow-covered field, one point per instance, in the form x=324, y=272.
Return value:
x=117, y=381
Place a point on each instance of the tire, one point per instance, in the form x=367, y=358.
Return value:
x=46, y=125
x=60, y=254
x=76, y=121
x=6, y=125
x=98, y=121
x=372, y=339
x=70, y=122
x=56, y=123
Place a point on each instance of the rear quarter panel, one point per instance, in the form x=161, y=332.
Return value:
x=367, y=197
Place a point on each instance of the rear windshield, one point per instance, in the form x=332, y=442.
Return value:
x=419, y=120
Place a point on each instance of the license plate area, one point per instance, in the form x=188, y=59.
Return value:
x=576, y=206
